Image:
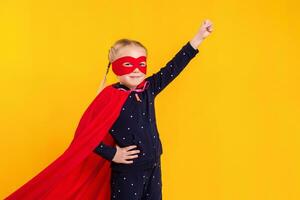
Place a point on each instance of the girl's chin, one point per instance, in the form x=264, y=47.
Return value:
x=135, y=83
x=136, y=79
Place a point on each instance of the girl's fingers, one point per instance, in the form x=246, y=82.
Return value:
x=133, y=156
x=130, y=147
x=127, y=161
x=133, y=152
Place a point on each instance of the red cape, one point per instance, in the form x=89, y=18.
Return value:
x=79, y=173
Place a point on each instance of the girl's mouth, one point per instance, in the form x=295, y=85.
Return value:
x=134, y=76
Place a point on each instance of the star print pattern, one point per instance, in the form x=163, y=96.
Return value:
x=137, y=184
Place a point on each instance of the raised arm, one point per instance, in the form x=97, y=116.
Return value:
x=159, y=80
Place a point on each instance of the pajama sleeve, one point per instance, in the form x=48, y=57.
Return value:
x=107, y=152
x=159, y=80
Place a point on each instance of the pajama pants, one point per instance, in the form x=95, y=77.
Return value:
x=137, y=184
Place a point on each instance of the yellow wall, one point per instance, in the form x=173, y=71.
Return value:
x=229, y=123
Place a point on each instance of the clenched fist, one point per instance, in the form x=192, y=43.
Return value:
x=204, y=31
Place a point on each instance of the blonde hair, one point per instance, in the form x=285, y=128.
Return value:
x=113, y=52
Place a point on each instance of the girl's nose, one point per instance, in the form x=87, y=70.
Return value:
x=136, y=70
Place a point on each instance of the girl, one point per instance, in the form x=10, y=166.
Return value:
x=136, y=172
x=116, y=149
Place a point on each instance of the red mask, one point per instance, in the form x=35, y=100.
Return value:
x=120, y=69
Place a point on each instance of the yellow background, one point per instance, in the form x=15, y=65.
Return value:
x=229, y=123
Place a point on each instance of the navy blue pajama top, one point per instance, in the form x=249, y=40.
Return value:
x=136, y=124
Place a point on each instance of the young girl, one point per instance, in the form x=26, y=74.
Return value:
x=136, y=170
x=120, y=126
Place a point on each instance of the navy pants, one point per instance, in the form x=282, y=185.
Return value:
x=137, y=184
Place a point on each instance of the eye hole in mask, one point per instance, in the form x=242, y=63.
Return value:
x=129, y=64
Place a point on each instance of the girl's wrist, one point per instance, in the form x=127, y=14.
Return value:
x=196, y=41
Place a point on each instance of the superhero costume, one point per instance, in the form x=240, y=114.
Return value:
x=79, y=173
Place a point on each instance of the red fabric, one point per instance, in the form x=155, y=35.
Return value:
x=120, y=69
x=79, y=173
